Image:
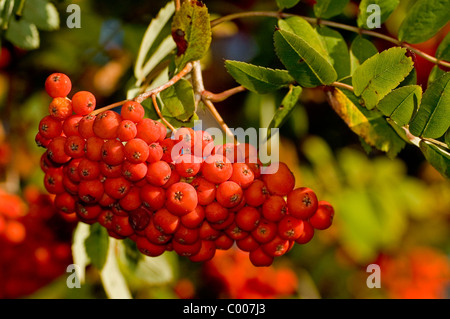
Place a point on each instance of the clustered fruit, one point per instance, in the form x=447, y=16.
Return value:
x=35, y=243
x=119, y=170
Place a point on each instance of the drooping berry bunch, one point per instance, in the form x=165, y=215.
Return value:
x=177, y=193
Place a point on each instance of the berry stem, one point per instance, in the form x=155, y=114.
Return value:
x=317, y=21
x=188, y=68
x=158, y=111
x=219, y=97
x=342, y=86
x=210, y=106
x=108, y=107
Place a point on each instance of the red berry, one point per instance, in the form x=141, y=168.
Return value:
x=70, y=125
x=165, y=221
x=186, y=236
x=247, y=218
x=88, y=170
x=132, y=111
x=302, y=203
x=106, y=125
x=194, y=218
x=65, y=203
x=323, y=217
x=187, y=250
x=290, y=227
x=148, y=248
x=83, y=102
x=56, y=150
x=274, y=208
x=74, y=146
x=131, y=201
x=85, y=126
x=122, y=226
x=117, y=187
x=265, y=231
x=112, y=171
x=188, y=165
x=126, y=131
x=155, y=152
x=94, y=146
x=58, y=85
x=87, y=212
x=280, y=183
x=242, y=175
x=260, y=259
x=90, y=191
x=307, y=235
x=158, y=173
x=216, y=213
x=206, y=252
x=276, y=247
x=148, y=130
x=217, y=169
x=181, y=198
x=136, y=151
x=229, y=194
x=206, y=191
x=256, y=194
x=50, y=127
x=113, y=152
x=247, y=244
x=139, y=218
x=223, y=242
x=60, y=108
x=153, y=197
x=134, y=171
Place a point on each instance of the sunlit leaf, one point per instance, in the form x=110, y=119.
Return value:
x=360, y=50
x=23, y=34
x=380, y=74
x=370, y=125
x=401, y=103
x=424, y=20
x=179, y=100
x=41, y=13
x=257, y=78
x=386, y=7
x=307, y=66
x=329, y=8
x=287, y=106
x=191, y=30
x=432, y=119
x=96, y=245
x=437, y=157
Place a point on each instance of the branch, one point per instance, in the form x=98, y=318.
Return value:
x=219, y=97
x=342, y=86
x=172, y=81
x=210, y=106
x=108, y=107
x=281, y=15
x=158, y=111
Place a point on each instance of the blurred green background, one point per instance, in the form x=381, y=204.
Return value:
x=393, y=212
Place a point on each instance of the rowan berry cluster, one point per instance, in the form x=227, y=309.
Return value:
x=123, y=171
x=34, y=241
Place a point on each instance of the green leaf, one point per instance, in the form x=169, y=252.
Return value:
x=432, y=120
x=287, y=106
x=23, y=34
x=6, y=9
x=308, y=67
x=154, y=29
x=381, y=73
x=258, y=79
x=401, y=103
x=179, y=100
x=79, y=254
x=447, y=137
x=326, y=9
x=437, y=157
x=97, y=245
x=435, y=73
x=286, y=4
x=112, y=278
x=337, y=50
x=191, y=31
x=41, y=13
x=360, y=50
x=370, y=125
x=443, y=50
x=386, y=8
x=424, y=20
